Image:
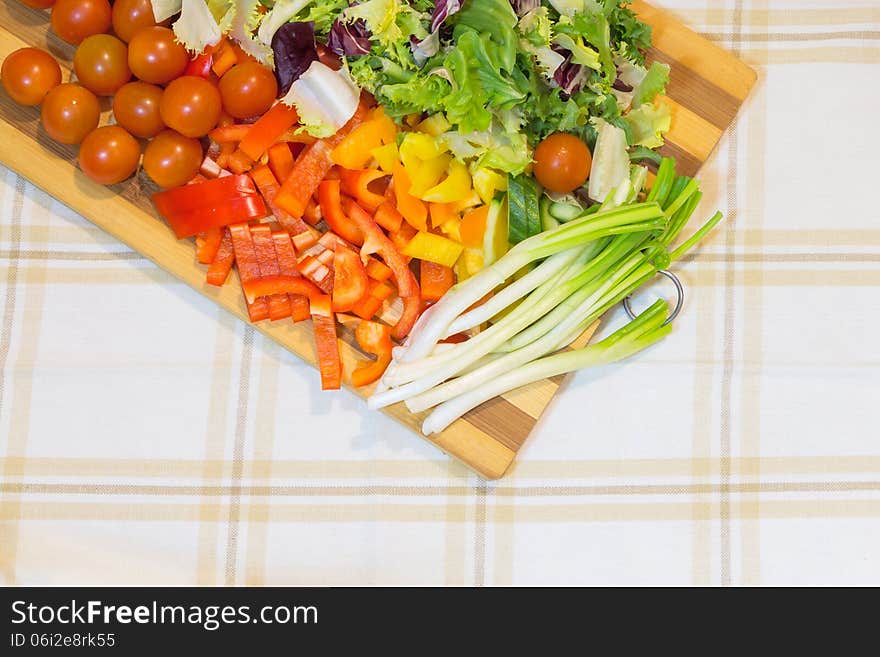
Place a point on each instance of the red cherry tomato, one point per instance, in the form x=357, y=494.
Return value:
x=136, y=108
x=109, y=155
x=69, y=113
x=171, y=159
x=154, y=55
x=101, y=64
x=248, y=89
x=129, y=16
x=190, y=105
x=28, y=74
x=562, y=162
x=74, y=20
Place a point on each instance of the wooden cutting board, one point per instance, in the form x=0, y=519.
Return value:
x=707, y=87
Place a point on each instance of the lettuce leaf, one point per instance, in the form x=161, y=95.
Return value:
x=246, y=19
x=324, y=99
x=653, y=84
x=593, y=27
x=282, y=12
x=196, y=28
x=495, y=148
x=648, y=123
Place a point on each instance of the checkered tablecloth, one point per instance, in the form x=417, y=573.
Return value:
x=148, y=437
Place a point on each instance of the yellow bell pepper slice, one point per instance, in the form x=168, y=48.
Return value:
x=468, y=264
x=433, y=248
x=417, y=146
x=456, y=187
x=472, y=200
x=435, y=125
x=487, y=182
x=452, y=229
x=387, y=156
x=427, y=173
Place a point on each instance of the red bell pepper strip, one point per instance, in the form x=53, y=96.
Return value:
x=219, y=269
x=264, y=246
x=191, y=209
x=312, y=166
x=367, y=307
x=248, y=270
x=388, y=217
x=435, y=280
x=350, y=280
x=374, y=338
x=331, y=209
x=375, y=241
x=317, y=272
x=304, y=240
x=357, y=183
x=326, y=345
x=267, y=129
x=233, y=132
x=200, y=65
x=299, y=305
x=312, y=214
x=280, y=160
x=207, y=245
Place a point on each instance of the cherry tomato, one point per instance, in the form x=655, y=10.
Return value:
x=248, y=89
x=154, y=56
x=171, y=159
x=39, y=4
x=190, y=105
x=136, y=108
x=69, y=113
x=109, y=155
x=74, y=20
x=129, y=16
x=101, y=64
x=28, y=74
x=562, y=162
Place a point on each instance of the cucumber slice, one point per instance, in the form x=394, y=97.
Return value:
x=495, y=238
x=565, y=212
x=548, y=221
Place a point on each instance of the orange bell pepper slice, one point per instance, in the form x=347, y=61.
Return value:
x=231, y=133
x=441, y=213
x=312, y=166
x=374, y=338
x=224, y=58
x=222, y=263
x=326, y=344
x=388, y=217
x=280, y=160
x=350, y=280
x=367, y=307
x=377, y=270
x=330, y=200
x=268, y=186
x=353, y=152
x=413, y=209
x=357, y=183
x=207, y=245
x=267, y=129
x=473, y=226
x=239, y=162
x=435, y=280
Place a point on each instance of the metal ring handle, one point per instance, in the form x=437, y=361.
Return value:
x=679, y=289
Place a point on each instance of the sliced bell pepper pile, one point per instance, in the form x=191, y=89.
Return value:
x=326, y=345
x=374, y=338
x=192, y=209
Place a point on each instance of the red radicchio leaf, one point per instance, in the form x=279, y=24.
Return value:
x=522, y=7
x=443, y=9
x=569, y=75
x=295, y=50
x=349, y=38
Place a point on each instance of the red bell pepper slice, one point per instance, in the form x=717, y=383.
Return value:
x=435, y=280
x=248, y=270
x=317, y=272
x=280, y=160
x=305, y=240
x=327, y=347
x=374, y=338
x=268, y=186
x=350, y=280
x=222, y=263
x=312, y=214
x=267, y=129
x=312, y=166
x=207, y=245
x=299, y=304
x=239, y=162
x=233, y=132
x=367, y=307
x=264, y=246
x=357, y=183
x=377, y=270
x=200, y=65
x=388, y=217
x=376, y=241
x=192, y=209
x=331, y=209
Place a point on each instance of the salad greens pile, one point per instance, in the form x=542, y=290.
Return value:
x=504, y=73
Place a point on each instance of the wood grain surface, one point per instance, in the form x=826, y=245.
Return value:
x=707, y=87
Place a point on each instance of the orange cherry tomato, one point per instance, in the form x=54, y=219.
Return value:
x=39, y=4
x=101, y=64
x=191, y=105
x=129, y=16
x=69, y=113
x=28, y=74
x=171, y=159
x=562, y=162
x=248, y=89
x=74, y=20
x=154, y=55
x=136, y=108
x=109, y=155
